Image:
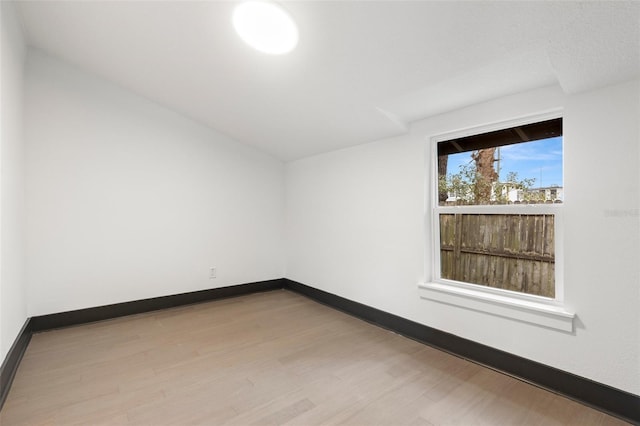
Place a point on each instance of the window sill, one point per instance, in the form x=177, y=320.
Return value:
x=541, y=314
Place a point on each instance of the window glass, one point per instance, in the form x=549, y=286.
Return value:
x=495, y=168
x=485, y=237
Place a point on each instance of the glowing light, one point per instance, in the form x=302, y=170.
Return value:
x=265, y=26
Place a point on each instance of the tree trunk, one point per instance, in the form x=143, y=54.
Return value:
x=442, y=175
x=485, y=174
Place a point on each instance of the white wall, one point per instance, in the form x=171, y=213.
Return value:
x=13, y=307
x=127, y=200
x=355, y=228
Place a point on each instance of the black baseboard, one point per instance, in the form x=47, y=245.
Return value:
x=597, y=395
x=12, y=360
x=99, y=313
x=605, y=398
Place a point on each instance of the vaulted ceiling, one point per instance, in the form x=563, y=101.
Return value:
x=363, y=70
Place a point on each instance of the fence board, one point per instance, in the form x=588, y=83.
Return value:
x=508, y=251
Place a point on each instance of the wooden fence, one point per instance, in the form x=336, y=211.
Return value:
x=508, y=251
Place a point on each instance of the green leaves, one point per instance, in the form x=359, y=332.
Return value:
x=469, y=187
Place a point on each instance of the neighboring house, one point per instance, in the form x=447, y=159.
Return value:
x=514, y=195
x=546, y=193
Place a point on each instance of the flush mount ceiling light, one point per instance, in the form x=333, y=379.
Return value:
x=265, y=26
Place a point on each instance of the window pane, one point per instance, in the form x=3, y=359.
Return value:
x=508, y=251
x=495, y=168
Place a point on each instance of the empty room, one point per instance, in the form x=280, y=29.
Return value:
x=320, y=212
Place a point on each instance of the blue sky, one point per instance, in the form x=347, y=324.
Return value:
x=540, y=160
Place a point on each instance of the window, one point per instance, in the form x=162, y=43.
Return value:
x=496, y=216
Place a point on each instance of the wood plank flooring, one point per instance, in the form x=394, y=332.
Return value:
x=270, y=358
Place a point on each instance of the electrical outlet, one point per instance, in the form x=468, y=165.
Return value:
x=212, y=273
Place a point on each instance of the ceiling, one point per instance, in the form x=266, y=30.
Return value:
x=363, y=70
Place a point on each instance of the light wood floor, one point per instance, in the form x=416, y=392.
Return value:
x=264, y=359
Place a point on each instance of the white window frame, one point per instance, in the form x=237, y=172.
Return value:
x=538, y=310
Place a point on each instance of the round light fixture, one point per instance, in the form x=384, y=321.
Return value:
x=265, y=26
